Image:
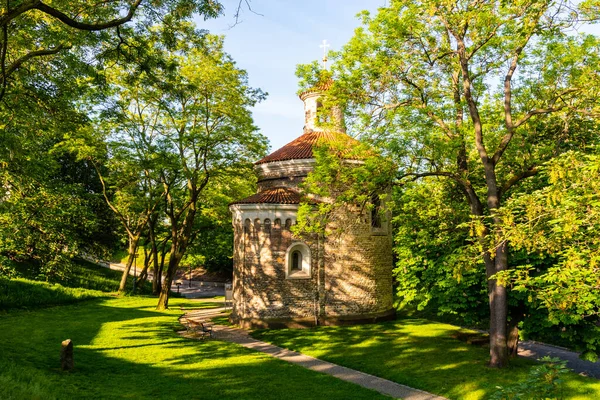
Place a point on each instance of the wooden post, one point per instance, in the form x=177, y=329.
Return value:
x=66, y=355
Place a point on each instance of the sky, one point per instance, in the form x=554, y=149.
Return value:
x=286, y=33
x=269, y=46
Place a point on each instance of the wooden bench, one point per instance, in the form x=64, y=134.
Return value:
x=198, y=327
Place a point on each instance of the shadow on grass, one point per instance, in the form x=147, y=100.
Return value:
x=124, y=348
x=417, y=353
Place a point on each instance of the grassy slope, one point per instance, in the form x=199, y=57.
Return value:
x=24, y=293
x=91, y=276
x=417, y=353
x=85, y=281
x=126, y=349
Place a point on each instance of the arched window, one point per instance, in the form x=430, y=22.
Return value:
x=288, y=223
x=267, y=226
x=247, y=225
x=277, y=224
x=297, y=261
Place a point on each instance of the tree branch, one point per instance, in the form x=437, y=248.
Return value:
x=30, y=55
x=531, y=171
x=85, y=26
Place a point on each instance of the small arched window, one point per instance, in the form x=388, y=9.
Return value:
x=267, y=226
x=288, y=223
x=277, y=224
x=297, y=261
x=247, y=225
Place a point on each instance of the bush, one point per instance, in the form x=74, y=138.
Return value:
x=543, y=382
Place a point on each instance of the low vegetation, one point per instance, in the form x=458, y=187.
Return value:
x=422, y=354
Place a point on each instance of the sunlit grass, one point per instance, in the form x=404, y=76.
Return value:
x=418, y=353
x=124, y=348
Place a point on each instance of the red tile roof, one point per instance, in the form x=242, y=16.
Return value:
x=277, y=195
x=319, y=88
x=302, y=147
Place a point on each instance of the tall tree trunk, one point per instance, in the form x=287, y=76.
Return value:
x=154, y=252
x=131, y=251
x=495, y=263
x=163, y=299
x=157, y=281
x=498, y=297
x=181, y=236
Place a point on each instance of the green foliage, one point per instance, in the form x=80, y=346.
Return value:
x=543, y=382
x=82, y=280
x=436, y=265
x=481, y=97
x=86, y=275
x=347, y=174
x=212, y=244
x=562, y=219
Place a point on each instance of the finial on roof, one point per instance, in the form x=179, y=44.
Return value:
x=324, y=46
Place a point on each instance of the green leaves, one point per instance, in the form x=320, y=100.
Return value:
x=563, y=220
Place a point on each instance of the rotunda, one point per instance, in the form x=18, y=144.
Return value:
x=282, y=280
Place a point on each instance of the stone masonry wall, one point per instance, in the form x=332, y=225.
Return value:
x=358, y=266
x=261, y=290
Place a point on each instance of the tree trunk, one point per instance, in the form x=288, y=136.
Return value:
x=498, y=297
x=497, y=261
x=163, y=299
x=157, y=282
x=132, y=250
x=144, y=273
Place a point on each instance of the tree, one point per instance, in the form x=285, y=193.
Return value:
x=212, y=244
x=207, y=126
x=32, y=31
x=480, y=93
x=51, y=55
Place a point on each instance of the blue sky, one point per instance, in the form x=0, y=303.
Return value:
x=269, y=46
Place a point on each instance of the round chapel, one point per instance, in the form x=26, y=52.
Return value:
x=280, y=280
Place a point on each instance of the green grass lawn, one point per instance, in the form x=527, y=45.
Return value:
x=418, y=353
x=25, y=293
x=124, y=348
x=85, y=281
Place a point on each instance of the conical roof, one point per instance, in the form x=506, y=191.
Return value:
x=302, y=147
